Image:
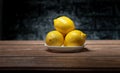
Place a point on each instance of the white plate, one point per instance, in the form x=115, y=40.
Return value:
x=64, y=48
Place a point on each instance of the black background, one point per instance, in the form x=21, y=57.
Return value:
x=32, y=19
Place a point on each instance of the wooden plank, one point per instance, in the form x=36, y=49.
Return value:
x=61, y=62
x=102, y=46
x=103, y=42
x=20, y=46
x=42, y=51
x=21, y=42
x=39, y=46
x=92, y=42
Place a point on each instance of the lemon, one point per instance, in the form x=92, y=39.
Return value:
x=75, y=38
x=54, y=38
x=64, y=25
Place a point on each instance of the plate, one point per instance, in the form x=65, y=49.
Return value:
x=64, y=48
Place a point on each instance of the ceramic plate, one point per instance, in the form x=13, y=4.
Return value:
x=64, y=48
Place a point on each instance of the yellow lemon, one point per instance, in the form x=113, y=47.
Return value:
x=54, y=38
x=75, y=38
x=64, y=25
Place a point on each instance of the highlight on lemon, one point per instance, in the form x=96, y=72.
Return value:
x=54, y=38
x=64, y=24
x=75, y=38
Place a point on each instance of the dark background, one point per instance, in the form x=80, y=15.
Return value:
x=32, y=19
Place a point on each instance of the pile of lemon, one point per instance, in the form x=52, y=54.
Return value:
x=65, y=33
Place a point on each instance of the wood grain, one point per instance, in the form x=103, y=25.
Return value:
x=20, y=42
x=100, y=54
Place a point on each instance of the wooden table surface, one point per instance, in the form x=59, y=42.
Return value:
x=97, y=55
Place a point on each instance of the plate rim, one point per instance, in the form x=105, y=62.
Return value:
x=65, y=46
x=64, y=49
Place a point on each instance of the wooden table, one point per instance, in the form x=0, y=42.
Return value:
x=98, y=55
